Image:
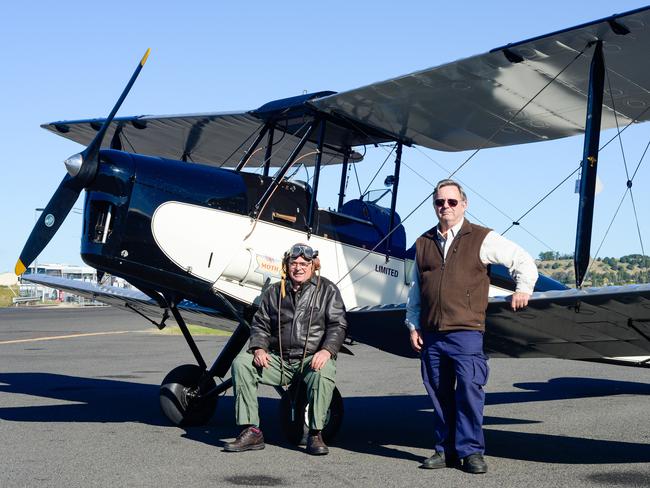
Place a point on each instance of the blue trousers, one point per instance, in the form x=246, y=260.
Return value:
x=454, y=372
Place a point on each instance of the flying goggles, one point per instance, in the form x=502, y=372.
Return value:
x=303, y=250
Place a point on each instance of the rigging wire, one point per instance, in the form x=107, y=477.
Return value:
x=256, y=131
x=629, y=181
x=499, y=129
x=627, y=173
x=380, y=168
x=632, y=121
x=128, y=141
x=618, y=129
x=473, y=190
x=467, y=160
x=507, y=122
x=640, y=160
x=360, y=129
x=638, y=229
x=628, y=188
x=259, y=129
x=516, y=222
x=636, y=217
x=356, y=175
x=367, y=253
x=606, y=232
x=259, y=213
x=421, y=176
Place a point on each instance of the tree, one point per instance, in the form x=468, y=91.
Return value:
x=547, y=256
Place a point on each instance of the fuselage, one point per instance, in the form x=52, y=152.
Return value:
x=186, y=230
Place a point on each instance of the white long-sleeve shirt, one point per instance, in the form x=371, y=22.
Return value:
x=495, y=249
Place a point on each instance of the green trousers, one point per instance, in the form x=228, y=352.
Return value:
x=246, y=376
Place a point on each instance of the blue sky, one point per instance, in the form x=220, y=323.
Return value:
x=69, y=60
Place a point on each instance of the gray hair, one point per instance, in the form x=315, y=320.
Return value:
x=443, y=183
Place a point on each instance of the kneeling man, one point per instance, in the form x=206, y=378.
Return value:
x=295, y=336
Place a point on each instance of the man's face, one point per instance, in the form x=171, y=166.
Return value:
x=300, y=270
x=447, y=214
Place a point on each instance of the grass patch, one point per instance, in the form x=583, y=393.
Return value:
x=6, y=295
x=194, y=330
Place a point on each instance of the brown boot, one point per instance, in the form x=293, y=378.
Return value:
x=315, y=444
x=250, y=439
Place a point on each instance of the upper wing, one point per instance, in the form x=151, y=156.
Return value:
x=218, y=139
x=572, y=324
x=134, y=300
x=470, y=104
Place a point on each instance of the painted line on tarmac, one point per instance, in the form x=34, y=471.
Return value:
x=71, y=336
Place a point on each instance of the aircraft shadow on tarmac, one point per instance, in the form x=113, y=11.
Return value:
x=378, y=425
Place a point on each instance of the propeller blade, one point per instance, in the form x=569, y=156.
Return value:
x=68, y=191
x=49, y=222
x=90, y=153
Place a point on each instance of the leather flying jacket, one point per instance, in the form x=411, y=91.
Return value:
x=328, y=323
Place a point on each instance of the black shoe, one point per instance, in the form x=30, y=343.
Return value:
x=315, y=445
x=250, y=439
x=436, y=461
x=475, y=464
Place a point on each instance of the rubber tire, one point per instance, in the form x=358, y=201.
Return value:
x=172, y=397
x=297, y=429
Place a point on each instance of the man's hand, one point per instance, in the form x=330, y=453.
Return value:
x=261, y=358
x=519, y=300
x=416, y=340
x=319, y=359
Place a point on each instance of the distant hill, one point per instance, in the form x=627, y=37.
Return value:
x=630, y=269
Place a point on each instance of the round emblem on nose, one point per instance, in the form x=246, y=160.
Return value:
x=49, y=220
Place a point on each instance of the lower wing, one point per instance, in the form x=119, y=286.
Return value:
x=610, y=323
x=135, y=301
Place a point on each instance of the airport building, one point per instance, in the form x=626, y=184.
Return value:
x=32, y=293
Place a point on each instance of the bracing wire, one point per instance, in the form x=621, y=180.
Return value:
x=636, y=218
x=606, y=232
x=629, y=181
x=507, y=122
x=356, y=175
x=618, y=129
x=627, y=173
x=516, y=222
x=474, y=191
x=380, y=168
x=628, y=188
x=259, y=128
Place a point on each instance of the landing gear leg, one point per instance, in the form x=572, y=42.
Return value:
x=189, y=393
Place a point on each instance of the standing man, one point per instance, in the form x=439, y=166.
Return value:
x=295, y=336
x=445, y=314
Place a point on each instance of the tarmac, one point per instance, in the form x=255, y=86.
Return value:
x=79, y=407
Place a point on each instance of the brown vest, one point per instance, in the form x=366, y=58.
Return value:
x=453, y=292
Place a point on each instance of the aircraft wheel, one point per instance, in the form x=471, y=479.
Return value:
x=178, y=407
x=296, y=429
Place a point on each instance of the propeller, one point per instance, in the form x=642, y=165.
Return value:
x=82, y=168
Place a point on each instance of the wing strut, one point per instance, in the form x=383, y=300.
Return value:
x=279, y=177
x=314, y=192
x=393, y=200
x=344, y=177
x=251, y=150
x=589, y=164
x=269, y=151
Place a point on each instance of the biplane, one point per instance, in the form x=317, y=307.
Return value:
x=188, y=210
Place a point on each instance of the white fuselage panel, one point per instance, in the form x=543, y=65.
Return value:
x=219, y=247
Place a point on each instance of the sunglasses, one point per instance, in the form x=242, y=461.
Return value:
x=440, y=202
x=302, y=250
